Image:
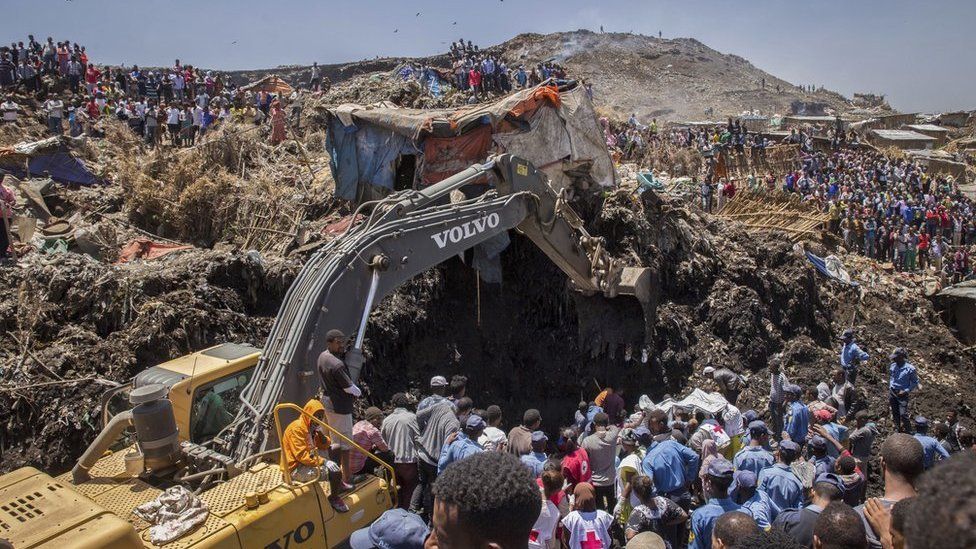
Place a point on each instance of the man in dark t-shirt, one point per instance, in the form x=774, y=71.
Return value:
x=339, y=395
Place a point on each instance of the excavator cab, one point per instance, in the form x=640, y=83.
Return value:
x=252, y=503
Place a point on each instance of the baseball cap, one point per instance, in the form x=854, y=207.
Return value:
x=792, y=388
x=832, y=479
x=643, y=435
x=719, y=468
x=539, y=436
x=749, y=416
x=921, y=421
x=898, y=352
x=758, y=428
x=438, y=381
x=789, y=446
x=474, y=423
x=708, y=370
x=395, y=529
x=745, y=478
x=818, y=442
x=848, y=334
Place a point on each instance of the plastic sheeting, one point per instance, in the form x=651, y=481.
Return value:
x=172, y=514
x=143, y=248
x=832, y=267
x=446, y=156
x=585, y=136
x=546, y=142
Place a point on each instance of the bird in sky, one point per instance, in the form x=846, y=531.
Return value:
x=418, y=14
x=454, y=23
x=234, y=42
x=396, y=31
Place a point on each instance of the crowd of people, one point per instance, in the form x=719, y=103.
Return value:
x=891, y=209
x=479, y=73
x=792, y=475
x=176, y=105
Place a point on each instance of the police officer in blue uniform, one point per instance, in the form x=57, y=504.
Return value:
x=718, y=478
x=780, y=483
x=799, y=523
x=934, y=451
x=755, y=457
x=902, y=381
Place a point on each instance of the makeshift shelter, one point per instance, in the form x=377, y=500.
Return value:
x=959, y=309
x=270, y=84
x=383, y=148
x=50, y=156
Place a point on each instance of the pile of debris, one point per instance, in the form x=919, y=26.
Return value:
x=77, y=325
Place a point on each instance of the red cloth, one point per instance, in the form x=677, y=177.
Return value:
x=143, y=248
x=446, y=156
x=576, y=467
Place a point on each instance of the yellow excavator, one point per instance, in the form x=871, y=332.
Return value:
x=211, y=421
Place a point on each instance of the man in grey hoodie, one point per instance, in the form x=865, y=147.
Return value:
x=437, y=422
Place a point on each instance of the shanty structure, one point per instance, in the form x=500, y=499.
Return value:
x=901, y=139
x=940, y=133
x=270, y=84
x=379, y=149
x=959, y=309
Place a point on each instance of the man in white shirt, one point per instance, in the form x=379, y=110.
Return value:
x=493, y=439
x=55, y=112
x=10, y=111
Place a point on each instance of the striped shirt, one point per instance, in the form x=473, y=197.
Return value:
x=776, y=383
x=400, y=430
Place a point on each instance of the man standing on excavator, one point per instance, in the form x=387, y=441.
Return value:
x=340, y=394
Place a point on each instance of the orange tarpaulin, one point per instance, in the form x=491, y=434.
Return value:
x=143, y=248
x=446, y=156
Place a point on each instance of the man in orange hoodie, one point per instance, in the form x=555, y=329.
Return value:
x=301, y=453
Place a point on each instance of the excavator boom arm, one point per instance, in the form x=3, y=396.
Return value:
x=405, y=235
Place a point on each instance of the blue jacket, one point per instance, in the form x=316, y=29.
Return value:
x=534, y=461
x=759, y=506
x=753, y=458
x=933, y=450
x=902, y=378
x=824, y=464
x=849, y=352
x=796, y=422
x=784, y=489
x=672, y=465
x=703, y=520
x=461, y=448
x=840, y=434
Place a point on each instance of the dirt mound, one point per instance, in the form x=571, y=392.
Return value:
x=670, y=79
x=72, y=317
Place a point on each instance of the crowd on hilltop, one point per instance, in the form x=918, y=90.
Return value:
x=479, y=73
x=175, y=105
x=624, y=471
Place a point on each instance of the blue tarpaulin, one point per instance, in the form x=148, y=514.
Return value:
x=831, y=267
x=61, y=167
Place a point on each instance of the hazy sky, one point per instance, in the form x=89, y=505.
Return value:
x=918, y=53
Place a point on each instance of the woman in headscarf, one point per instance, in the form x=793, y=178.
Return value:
x=586, y=522
x=709, y=451
x=277, y=123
